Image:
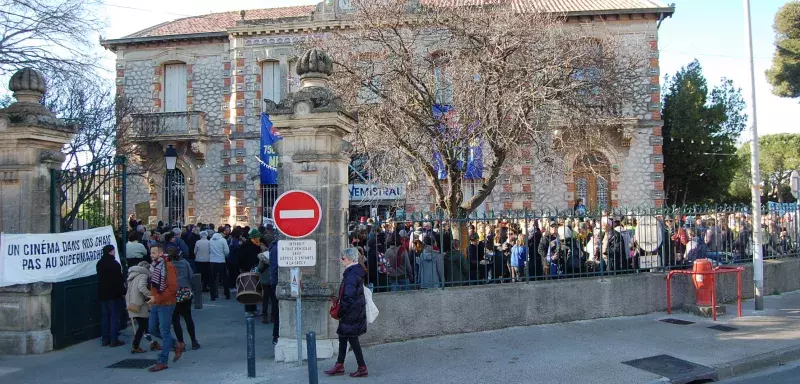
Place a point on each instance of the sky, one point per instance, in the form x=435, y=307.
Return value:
x=712, y=31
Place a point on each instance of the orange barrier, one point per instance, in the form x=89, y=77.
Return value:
x=699, y=278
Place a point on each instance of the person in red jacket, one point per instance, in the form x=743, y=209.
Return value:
x=164, y=290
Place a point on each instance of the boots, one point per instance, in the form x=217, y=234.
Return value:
x=178, y=353
x=158, y=367
x=361, y=372
x=338, y=369
x=154, y=346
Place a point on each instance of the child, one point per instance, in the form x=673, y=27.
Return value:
x=519, y=253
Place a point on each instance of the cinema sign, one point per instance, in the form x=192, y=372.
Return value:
x=361, y=192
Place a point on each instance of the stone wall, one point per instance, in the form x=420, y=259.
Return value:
x=25, y=319
x=436, y=312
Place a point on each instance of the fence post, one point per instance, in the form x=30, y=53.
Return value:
x=53, y=201
x=311, y=345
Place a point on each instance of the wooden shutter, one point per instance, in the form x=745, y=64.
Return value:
x=175, y=88
x=271, y=81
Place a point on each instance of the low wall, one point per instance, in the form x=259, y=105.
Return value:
x=435, y=312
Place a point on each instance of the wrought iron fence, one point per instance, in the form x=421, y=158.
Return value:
x=425, y=250
x=89, y=196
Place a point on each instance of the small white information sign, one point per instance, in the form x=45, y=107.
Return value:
x=297, y=253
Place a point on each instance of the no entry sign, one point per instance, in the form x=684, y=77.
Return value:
x=297, y=213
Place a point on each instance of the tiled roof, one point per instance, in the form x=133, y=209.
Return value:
x=565, y=6
x=219, y=22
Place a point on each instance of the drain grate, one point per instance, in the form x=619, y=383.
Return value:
x=133, y=363
x=677, y=321
x=723, y=328
x=673, y=368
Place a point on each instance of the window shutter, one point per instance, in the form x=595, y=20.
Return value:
x=175, y=88
x=271, y=81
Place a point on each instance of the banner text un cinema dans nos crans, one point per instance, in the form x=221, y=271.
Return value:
x=52, y=257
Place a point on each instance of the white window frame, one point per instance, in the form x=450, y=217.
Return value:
x=175, y=80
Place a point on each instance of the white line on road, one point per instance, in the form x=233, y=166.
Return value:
x=296, y=214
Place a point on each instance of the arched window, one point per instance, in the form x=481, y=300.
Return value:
x=174, y=196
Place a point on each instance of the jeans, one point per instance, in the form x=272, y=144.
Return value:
x=400, y=285
x=109, y=320
x=218, y=272
x=273, y=298
x=353, y=340
x=160, y=324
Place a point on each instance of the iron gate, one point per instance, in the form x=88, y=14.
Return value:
x=89, y=196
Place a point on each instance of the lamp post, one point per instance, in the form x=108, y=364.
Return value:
x=755, y=182
x=171, y=159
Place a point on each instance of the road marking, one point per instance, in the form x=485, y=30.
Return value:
x=296, y=214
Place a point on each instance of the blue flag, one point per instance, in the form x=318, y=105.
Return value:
x=474, y=151
x=269, y=159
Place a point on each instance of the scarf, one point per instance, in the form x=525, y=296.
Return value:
x=158, y=278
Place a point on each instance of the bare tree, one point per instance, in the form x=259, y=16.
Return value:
x=52, y=36
x=508, y=77
x=105, y=129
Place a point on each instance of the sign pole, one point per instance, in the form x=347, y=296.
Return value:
x=296, y=275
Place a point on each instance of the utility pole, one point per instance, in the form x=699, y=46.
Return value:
x=755, y=187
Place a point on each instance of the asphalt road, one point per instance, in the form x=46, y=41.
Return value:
x=787, y=374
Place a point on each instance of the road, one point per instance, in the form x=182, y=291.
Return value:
x=787, y=374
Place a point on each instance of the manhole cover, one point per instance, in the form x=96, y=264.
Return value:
x=133, y=363
x=723, y=328
x=677, y=321
x=677, y=370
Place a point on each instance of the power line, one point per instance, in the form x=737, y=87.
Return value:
x=146, y=10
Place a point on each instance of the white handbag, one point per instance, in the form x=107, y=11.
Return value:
x=372, y=310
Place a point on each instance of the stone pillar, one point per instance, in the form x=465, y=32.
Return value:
x=32, y=138
x=314, y=158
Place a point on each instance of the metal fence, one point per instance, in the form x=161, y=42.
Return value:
x=424, y=250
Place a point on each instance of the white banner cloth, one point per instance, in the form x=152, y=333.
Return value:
x=52, y=257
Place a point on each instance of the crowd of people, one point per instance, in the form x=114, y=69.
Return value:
x=157, y=291
x=399, y=255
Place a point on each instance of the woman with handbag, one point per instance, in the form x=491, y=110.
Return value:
x=183, y=308
x=351, y=311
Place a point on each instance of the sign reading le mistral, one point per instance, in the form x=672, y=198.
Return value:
x=52, y=257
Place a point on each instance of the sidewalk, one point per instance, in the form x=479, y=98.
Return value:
x=581, y=352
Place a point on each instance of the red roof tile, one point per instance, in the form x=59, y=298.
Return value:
x=219, y=22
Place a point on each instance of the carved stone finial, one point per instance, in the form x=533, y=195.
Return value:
x=28, y=85
x=242, y=13
x=314, y=66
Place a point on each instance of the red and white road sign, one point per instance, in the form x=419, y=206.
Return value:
x=297, y=213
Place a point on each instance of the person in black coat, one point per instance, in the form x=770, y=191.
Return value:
x=247, y=258
x=110, y=288
x=352, y=314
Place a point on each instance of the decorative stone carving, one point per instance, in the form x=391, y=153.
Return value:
x=53, y=157
x=29, y=86
x=314, y=61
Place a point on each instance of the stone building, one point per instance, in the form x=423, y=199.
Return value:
x=204, y=78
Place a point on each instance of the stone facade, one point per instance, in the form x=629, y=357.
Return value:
x=30, y=149
x=225, y=82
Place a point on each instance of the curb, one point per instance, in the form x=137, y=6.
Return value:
x=742, y=366
x=756, y=362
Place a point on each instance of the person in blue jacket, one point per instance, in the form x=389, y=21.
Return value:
x=352, y=314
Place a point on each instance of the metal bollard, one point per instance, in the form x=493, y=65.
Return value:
x=311, y=345
x=197, y=290
x=251, y=346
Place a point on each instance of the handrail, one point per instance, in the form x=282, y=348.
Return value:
x=716, y=271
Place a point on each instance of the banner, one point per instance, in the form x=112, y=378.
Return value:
x=269, y=159
x=52, y=257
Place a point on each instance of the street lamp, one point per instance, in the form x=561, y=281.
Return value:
x=171, y=157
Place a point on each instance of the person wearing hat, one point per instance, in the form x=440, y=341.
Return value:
x=248, y=257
